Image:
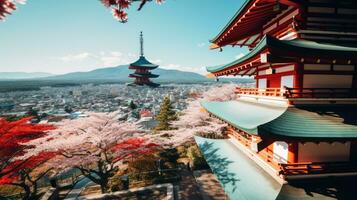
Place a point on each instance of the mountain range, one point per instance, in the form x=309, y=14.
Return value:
x=23, y=75
x=109, y=74
x=121, y=73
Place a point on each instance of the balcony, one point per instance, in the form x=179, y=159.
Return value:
x=295, y=93
x=309, y=168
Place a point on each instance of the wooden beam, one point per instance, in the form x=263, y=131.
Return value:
x=290, y=3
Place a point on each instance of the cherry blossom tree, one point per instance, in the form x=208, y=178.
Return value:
x=119, y=7
x=220, y=93
x=8, y=6
x=194, y=119
x=93, y=145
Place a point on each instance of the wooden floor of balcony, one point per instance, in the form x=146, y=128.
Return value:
x=292, y=93
x=309, y=168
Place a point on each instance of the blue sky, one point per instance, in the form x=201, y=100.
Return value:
x=80, y=35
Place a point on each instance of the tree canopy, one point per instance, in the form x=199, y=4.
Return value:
x=119, y=7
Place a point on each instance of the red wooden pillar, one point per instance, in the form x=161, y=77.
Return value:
x=354, y=81
x=298, y=81
x=299, y=76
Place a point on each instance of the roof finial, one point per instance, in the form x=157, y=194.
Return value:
x=141, y=44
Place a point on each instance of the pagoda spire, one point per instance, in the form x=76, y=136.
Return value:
x=141, y=44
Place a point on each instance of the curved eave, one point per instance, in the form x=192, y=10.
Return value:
x=143, y=66
x=253, y=53
x=243, y=115
x=293, y=49
x=245, y=6
x=144, y=75
x=333, y=122
x=142, y=62
x=248, y=21
x=310, y=123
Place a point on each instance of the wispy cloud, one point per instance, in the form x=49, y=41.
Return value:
x=115, y=58
x=75, y=57
x=108, y=59
x=200, y=70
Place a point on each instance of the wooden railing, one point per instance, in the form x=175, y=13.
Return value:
x=319, y=92
x=275, y=92
x=299, y=92
x=306, y=168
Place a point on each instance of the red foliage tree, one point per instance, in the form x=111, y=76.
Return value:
x=27, y=174
x=13, y=138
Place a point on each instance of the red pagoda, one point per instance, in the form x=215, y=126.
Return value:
x=142, y=68
x=299, y=124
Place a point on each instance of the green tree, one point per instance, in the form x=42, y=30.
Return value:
x=132, y=105
x=166, y=115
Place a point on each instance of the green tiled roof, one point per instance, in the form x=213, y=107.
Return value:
x=142, y=62
x=313, y=121
x=333, y=121
x=239, y=175
x=144, y=75
x=298, y=46
x=244, y=115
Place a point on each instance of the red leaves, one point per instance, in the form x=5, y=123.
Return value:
x=109, y=3
x=16, y=168
x=13, y=135
x=134, y=146
x=6, y=7
x=119, y=6
x=120, y=15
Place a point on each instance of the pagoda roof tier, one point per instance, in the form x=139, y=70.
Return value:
x=249, y=20
x=142, y=62
x=143, y=75
x=272, y=50
x=306, y=123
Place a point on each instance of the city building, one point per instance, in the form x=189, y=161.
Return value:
x=299, y=122
x=142, y=68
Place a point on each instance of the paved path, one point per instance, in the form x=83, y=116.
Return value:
x=188, y=188
x=209, y=186
x=78, y=188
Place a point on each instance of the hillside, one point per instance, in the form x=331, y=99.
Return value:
x=122, y=72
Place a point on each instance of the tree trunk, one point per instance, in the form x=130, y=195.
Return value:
x=27, y=191
x=104, y=185
x=34, y=191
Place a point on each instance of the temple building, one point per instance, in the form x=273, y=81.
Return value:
x=298, y=126
x=142, y=68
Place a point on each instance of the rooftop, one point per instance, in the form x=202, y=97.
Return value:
x=289, y=49
x=144, y=63
x=298, y=122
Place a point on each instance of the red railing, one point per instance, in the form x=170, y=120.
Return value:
x=306, y=168
x=299, y=92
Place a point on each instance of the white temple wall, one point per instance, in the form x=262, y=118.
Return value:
x=280, y=152
x=324, y=152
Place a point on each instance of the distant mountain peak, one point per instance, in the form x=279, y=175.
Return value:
x=23, y=75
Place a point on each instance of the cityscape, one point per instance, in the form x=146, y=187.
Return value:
x=149, y=105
